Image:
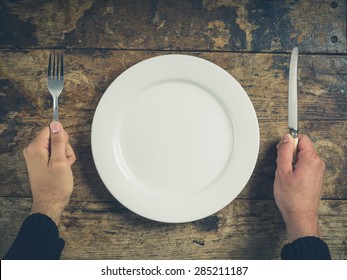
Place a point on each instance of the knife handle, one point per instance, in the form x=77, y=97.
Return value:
x=295, y=151
x=294, y=134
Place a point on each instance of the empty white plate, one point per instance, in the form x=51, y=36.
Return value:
x=175, y=138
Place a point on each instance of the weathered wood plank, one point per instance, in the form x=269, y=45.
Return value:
x=95, y=225
x=245, y=25
x=328, y=137
x=26, y=107
x=23, y=82
x=245, y=229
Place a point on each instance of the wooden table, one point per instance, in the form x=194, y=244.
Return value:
x=251, y=40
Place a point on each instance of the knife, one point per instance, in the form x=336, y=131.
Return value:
x=293, y=99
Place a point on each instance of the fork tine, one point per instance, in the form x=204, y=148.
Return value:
x=49, y=71
x=58, y=66
x=54, y=67
x=62, y=66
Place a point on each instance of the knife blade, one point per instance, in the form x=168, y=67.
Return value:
x=293, y=99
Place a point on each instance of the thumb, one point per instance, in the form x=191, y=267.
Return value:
x=58, y=142
x=285, y=153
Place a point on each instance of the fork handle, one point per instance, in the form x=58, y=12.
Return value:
x=55, y=109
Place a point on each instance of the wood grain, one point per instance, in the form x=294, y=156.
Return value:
x=222, y=25
x=251, y=40
x=331, y=146
x=322, y=81
x=245, y=229
x=26, y=107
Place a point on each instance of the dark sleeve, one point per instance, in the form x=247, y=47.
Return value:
x=38, y=239
x=306, y=248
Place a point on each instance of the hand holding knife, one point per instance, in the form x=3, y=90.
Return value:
x=293, y=100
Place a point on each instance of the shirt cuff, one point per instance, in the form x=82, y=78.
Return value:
x=38, y=239
x=306, y=248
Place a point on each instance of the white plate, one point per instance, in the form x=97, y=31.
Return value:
x=175, y=138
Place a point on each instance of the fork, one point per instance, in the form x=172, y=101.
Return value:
x=55, y=79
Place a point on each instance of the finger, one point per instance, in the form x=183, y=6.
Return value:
x=42, y=138
x=305, y=149
x=38, y=147
x=57, y=142
x=307, y=153
x=305, y=145
x=70, y=154
x=285, y=150
x=67, y=137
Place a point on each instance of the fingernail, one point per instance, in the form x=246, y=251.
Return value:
x=55, y=126
x=286, y=138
